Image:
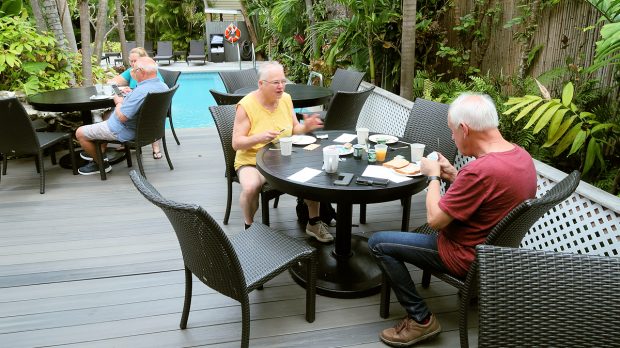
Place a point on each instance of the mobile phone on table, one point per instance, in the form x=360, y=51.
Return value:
x=117, y=90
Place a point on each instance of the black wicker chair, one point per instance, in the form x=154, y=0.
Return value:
x=346, y=80
x=508, y=232
x=18, y=137
x=224, y=117
x=170, y=79
x=233, y=266
x=164, y=51
x=150, y=127
x=427, y=124
x=196, y=52
x=345, y=109
x=236, y=79
x=222, y=98
x=531, y=298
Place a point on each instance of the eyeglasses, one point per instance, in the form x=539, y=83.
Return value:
x=276, y=82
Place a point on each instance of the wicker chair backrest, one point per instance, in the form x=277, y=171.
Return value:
x=207, y=251
x=531, y=298
x=225, y=98
x=344, y=110
x=197, y=47
x=234, y=80
x=17, y=136
x=164, y=48
x=150, y=121
x=224, y=118
x=346, y=80
x=428, y=124
x=170, y=77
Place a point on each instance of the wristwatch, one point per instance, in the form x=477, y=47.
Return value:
x=432, y=177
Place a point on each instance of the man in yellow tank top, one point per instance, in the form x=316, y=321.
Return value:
x=262, y=116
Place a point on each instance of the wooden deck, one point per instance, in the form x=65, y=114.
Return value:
x=92, y=263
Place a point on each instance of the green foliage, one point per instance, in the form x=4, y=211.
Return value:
x=608, y=47
x=10, y=7
x=176, y=21
x=568, y=128
x=30, y=61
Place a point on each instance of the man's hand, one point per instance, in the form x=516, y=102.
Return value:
x=448, y=172
x=312, y=122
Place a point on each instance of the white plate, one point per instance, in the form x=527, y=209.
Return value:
x=303, y=139
x=343, y=150
x=100, y=97
x=389, y=139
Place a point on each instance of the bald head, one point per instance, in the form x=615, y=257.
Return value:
x=145, y=68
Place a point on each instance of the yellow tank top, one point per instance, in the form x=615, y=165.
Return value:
x=262, y=120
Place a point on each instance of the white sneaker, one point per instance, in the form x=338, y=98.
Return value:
x=319, y=231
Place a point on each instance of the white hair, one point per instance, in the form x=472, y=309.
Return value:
x=475, y=110
x=265, y=67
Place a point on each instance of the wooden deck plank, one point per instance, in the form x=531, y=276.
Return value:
x=92, y=263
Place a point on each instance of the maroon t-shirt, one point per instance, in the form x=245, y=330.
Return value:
x=485, y=190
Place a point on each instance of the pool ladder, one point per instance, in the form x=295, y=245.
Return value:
x=253, y=57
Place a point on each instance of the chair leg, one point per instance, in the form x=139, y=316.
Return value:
x=228, y=201
x=53, y=155
x=426, y=278
x=42, y=172
x=102, y=172
x=384, y=304
x=139, y=158
x=311, y=287
x=188, y=298
x=37, y=165
x=276, y=201
x=363, y=213
x=464, y=306
x=72, y=154
x=172, y=129
x=245, y=322
x=163, y=140
x=128, y=155
x=264, y=205
x=4, y=164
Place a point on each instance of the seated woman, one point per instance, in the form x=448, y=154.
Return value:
x=126, y=83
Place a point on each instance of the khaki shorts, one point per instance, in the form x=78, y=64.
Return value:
x=98, y=131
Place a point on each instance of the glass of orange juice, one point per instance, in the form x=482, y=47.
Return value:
x=381, y=150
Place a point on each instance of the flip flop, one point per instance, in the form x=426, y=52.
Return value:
x=156, y=155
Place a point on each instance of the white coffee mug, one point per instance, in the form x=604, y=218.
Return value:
x=362, y=135
x=331, y=157
x=107, y=90
x=286, y=146
x=417, y=151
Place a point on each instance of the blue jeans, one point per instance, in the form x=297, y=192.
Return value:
x=392, y=250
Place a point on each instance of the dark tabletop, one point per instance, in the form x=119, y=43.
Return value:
x=345, y=268
x=303, y=96
x=70, y=99
x=276, y=168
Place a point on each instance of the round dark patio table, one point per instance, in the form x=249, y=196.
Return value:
x=70, y=100
x=346, y=269
x=303, y=96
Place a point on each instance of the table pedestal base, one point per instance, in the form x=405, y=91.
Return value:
x=343, y=277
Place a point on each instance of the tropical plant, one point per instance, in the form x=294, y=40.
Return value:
x=363, y=37
x=608, y=48
x=568, y=128
x=30, y=61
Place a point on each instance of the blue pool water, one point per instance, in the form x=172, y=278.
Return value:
x=190, y=105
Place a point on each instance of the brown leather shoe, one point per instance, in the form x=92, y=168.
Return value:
x=408, y=332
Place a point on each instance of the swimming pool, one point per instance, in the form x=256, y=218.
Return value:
x=190, y=105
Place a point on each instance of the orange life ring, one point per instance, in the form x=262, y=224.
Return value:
x=232, y=33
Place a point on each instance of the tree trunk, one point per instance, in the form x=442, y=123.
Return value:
x=121, y=31
x=38, y=16
x=87, y=68
x=315, y=47
x=52, y=19
x=67, y=26
x=407, y=59
x=100, y=30
x=138, y=22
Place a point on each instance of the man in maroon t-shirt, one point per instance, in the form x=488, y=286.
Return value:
x=481, y=194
